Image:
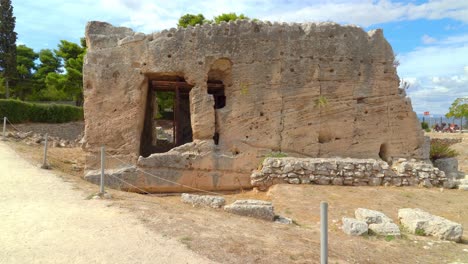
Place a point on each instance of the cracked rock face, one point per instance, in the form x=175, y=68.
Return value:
x=421, y=222
x=315, y=90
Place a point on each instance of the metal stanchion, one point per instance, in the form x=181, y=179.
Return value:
x=103, y=153
x=4, y=129
x=44, y=163
x=323, y=233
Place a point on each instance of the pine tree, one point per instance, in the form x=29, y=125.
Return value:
x=7, y=43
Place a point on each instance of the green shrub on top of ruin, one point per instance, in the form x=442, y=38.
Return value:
x=440, y=150
x=226, y=17
x=193, y=20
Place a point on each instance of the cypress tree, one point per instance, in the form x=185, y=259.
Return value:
x=7, y=43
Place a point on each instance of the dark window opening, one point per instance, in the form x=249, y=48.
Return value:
x=216, y=88
x=216, y=138
x=383, y=152
x=167, y=118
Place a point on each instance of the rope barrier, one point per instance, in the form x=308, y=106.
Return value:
x=143, y=191
x=145, y=172
x=166, y=180
x=8, y=120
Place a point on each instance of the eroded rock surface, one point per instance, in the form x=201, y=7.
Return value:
x=371, y=216
x=421, y=222
x=253, y=208
x=310, y=90
x=203, y=200
x=354, y=227
x=339, y=171
x=385, y=229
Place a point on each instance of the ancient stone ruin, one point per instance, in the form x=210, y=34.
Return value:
x=203, y=106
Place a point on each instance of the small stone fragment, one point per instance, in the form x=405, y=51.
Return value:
x=203, y=200
x=385, y=229
x=371, y=216
x=354, y=227
x=253, y=208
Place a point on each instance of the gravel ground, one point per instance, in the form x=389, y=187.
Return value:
x=68, y=131
x=45, y=220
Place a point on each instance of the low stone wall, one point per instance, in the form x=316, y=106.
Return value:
x=446, y=141
x=340, y=171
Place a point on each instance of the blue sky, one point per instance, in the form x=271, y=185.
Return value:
x=430, y=38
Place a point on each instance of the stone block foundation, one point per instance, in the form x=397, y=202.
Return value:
x=346, y=171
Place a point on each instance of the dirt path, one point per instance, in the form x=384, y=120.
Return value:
x=45, y=220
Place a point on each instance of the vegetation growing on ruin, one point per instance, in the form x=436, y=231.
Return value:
x=440, y=150
x=193, y=20
x=321, y=101
x=273, y=154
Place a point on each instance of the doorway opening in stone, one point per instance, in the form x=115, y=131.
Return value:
x=167, y=116
x=383, y=152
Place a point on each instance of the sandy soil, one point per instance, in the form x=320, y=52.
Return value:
x=46, y=220
x=227, y=238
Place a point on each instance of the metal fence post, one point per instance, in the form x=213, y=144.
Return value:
x=44, y=163
x=323, y=233
x=101, y=189
x=4, y=128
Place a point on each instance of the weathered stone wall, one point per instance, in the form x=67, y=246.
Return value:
x=354, y=172
x=446, y=141
x=309, y=90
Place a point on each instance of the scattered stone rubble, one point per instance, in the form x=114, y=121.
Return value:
x=418, y=221
x=347, y=171
x=354, y=227
x=203, y=200
x=253, y=208
x=370, y=221
x=463, y=184
x=31, y=139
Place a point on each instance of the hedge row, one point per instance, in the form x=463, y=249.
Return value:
x=19, y=111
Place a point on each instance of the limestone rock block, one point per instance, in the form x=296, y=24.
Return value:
x=354, y=227
x=371, y=216
x=385, y=229
x=203, y=200
x=417, y=220
x=115, y=178
x=283, y=220
x=253, y=208
x=447, y=165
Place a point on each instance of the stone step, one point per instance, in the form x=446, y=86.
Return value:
x=463, y=187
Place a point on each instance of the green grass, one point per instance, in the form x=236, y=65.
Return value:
x=273, y=154
x=187, y=241
x=389, y=238
x=440, y=150
x=419, y=232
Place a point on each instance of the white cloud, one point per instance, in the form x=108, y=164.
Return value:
x=426, y=39
x=366, y=13
x=438, y=74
